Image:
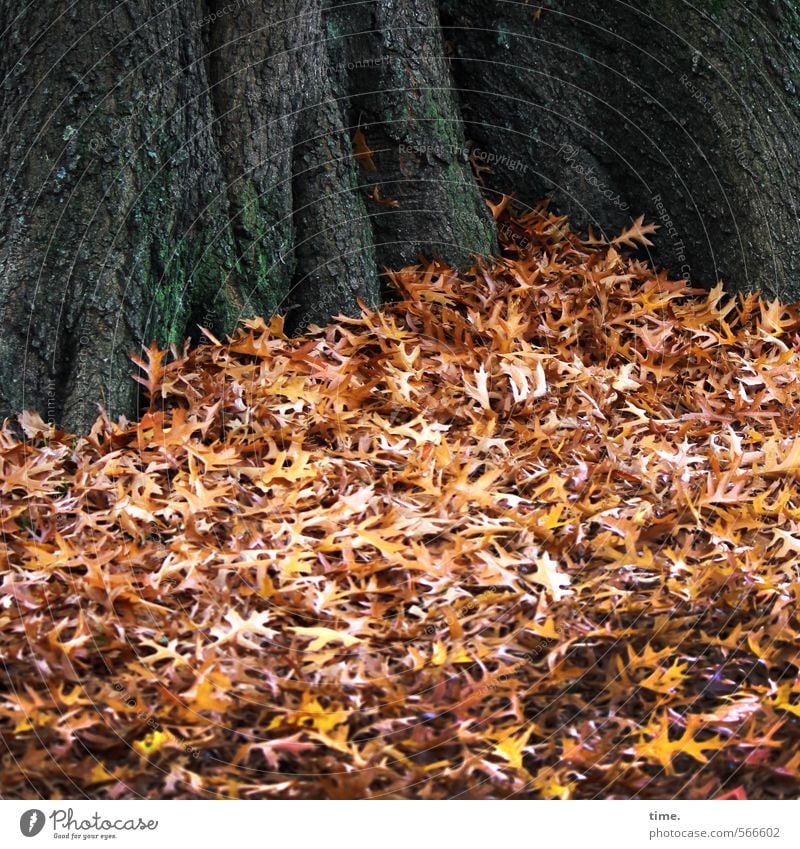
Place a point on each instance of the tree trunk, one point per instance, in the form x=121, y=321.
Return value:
x=168, y=164
x=172, y=164
x=684, y=111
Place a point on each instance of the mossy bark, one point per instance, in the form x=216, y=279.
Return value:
x=169, y=165
x=402, y=101
x=114, y=225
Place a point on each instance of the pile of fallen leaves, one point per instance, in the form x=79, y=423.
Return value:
x=531, y=531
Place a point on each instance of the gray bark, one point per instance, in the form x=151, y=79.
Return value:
x=684, y=111
x=168, y=164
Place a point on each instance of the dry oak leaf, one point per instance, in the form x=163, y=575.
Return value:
x=511, y=748
x=660, y=748
x=665, y=680
x=324, y=636
x=240, y=628
x=153, y=368
x=636, y=233
x=547, y=575
x=363, y=152
x=269, y=749
x=376, y=197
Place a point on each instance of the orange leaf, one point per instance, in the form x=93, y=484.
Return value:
x=362, y=151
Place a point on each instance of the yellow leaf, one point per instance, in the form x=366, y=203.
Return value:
x=665, y=680
x=783, y=699
x=460, y=656
x=205, y=698
x=546, y=629
x=661, y=749
x=383, y=545
x=152, y=743
x=100, y=774
x=547, y=783
x=439, y=653
x=35, y=719
x=322, y=719
x=512, y=748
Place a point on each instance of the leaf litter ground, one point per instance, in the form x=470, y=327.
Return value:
x=531, y=531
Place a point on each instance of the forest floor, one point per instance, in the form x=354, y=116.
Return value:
x=532, y=531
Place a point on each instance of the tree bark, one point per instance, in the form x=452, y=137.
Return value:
x=172, y=164
x=168, y=164
x=684, y=111
x=110, y=190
